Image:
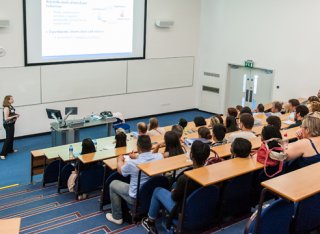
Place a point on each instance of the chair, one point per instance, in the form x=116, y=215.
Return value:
x=64, y=175
x=275, y=219
x=307, y=216
x=236, y=196
x=51, y=172
x=105, y=195
x=201, y=210
x=120, y=124
x=90, y=179
x=141, y=206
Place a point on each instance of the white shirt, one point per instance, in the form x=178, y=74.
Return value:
x=241, y=134
x=156, y=132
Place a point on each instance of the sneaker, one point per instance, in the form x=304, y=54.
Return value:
x=15, y=151
x=111, y=219
x=2, y=157
x=149, y=225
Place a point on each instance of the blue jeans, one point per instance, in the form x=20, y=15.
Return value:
x=118, y=190
x=160, y=197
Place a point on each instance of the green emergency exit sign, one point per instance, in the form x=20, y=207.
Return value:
x=249, y=63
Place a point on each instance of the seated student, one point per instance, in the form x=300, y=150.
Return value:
x=178, y=130
x=154, y=129
x=318, y=95
x=87, y=148
x=240, y=148
x=274, y=121
x=313, y=99
x=247, y=110
x=142, y=128
x=183, y=123
x=292, y=105
x=120, y=190
x=218, y=134
x=231, y=124
x=172, y=144
x=239, y=109
x=204, y=132
x=246, y=124
x=276, y=108
x=172, y=201
x=199, y=121
x=314, y=107
x=121, y=138
x=216, y=119
x=259, y=110
x=306, y=151
x=300, y=113
x=232, y=112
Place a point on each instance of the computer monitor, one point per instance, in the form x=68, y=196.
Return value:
x=71, y=111
x=51, y=113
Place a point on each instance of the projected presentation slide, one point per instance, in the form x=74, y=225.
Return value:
x=81, y=30
x=86, y=27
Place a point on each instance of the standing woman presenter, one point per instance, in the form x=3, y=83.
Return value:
x=9, y=118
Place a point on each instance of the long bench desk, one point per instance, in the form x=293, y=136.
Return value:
x=294, y=186
x=10, y=226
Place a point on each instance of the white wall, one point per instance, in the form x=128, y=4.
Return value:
x=43, y=87
x=279, y=35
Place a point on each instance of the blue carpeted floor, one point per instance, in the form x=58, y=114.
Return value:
x=16, y=168
x=43, y=210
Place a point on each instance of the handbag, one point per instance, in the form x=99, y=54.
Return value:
x=271, y=157
x=214, y=159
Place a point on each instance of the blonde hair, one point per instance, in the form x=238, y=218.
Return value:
x=6, y=101
x=214, y=120
x=153, y=123
x=312, y=123
x=314, y=106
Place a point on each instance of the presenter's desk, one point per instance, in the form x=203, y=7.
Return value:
x=69, y=133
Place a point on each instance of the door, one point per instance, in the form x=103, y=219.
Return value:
x=249, y=86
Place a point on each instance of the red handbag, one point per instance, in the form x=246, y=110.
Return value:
x=213, y=160
x=270, y=157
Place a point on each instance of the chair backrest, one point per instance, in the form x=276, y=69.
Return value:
x=236, y=196
x=201, y=209
x=65, y=174
x=105, y=195
x=275, y=219
x=307, y=216
x=146, y=192
x=90, y=179
x=124, y=126
x=51, y=172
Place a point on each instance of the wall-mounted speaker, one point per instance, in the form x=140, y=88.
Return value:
x=164, y=23
x=4, y=23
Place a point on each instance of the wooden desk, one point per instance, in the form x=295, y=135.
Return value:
x=10, y=226
x=297, y=185
x=291, y=132
x=165, y=165
x=223, y=170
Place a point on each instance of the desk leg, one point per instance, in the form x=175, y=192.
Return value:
x=181, y=213
x=77, y=189
x=31, y=169
x=136, y=204
x=44, y=167
x=59, y=175
x=109, y=129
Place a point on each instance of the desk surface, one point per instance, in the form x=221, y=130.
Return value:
x=165, y=165
x=223, y=170
x=10, y=226
x=297, y=185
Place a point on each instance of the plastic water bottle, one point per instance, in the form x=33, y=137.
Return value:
x=95, y=143
x=70, y=151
